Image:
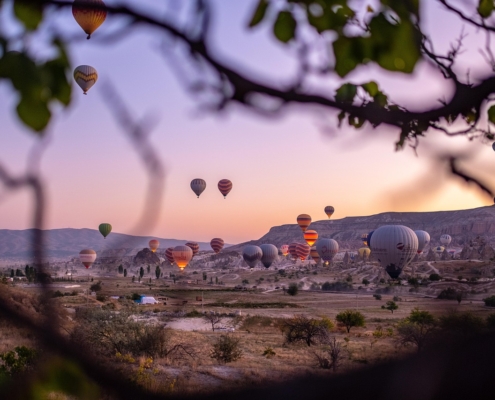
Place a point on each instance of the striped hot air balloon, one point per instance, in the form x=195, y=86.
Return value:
x=217, y=244
x=225, y=186
x=169, y=255
x=284, y=249
x=292, y=251
x=87, y=257
x=105, y=229
x=329, y=210
x=303, y=220
x=327, y=248
x=198, y=186
x=182, y=256
x=314, y=255
x=194, y=247
x=87, y=16
x=252, y=254
x=154, y=244
x=302, y=250
x=270, y=254
x=310, y=237
x=85, y=76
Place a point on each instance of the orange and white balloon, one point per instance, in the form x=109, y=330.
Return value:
x=87, y=16
x=217, y=244
x=310, y=237
x=169, y=255
x=194, y=247
x=182, y=256
x=303, y=220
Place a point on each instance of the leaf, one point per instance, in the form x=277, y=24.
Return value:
x=485, y=8
x=355, y=121
x=34, y=113
x=381, y=99
x=346, y=93
x=371, y=88
x=259, y=13
x=284, y=27
x=349, y=53
x=29, y=12
x=491, y=114
x=334, y=17
x=341, y=117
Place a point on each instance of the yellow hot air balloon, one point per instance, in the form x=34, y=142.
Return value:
x=364, y=252
x=154, y=244
x=88, y=16
x=310, y=237
x=85, y=76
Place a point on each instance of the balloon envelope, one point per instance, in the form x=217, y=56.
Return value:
x=88, y=18
x=225, y=186
x=364, y=252
x=364, y=238
x=270, y=254
x=217, y=245
x=302, y=250
x=198, y=186
x=439, y=249
x=105, y=229
x=85, y=76
x=284, y=249
x=329, y=210
x=252, y=254
x=169, y=255
x=327, y=248
x=445, y=239
x=292, y=251
x=87, y=257
x=394, y=246
x=310, y=237
x=423, y=240
x=154, y=244
x=314, y=255
x=303, y=220
x=182, y=256
x=194, y=247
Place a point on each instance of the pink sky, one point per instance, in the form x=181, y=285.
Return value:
x=279, y=168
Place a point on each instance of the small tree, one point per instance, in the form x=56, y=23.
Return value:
x=331, y=356
x=149, y=269
x=227, y=349
x=205, y=277
x=95, y=287
x=461, y=324
x=350, y=319
x=417, y=329
x=158, y=272
x=245, y=282
x=125, y=273
x=121, y=269
x=307, y=330
x=391, y=306
x=133, y=278
x=293, y=289
x=434, y=277
x=365, y=281
x=490, y=301
x=213, y=318
x=377, y=296
x=141, y=273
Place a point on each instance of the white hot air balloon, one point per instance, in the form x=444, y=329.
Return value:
x=327, y=248
x=252, y=254
x=445, y=239
x=394, y=246
x=85, y=76
x=270, y=254
x=423, y=240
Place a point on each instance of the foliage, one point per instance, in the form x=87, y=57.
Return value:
x=95, y=287
x=461, y=325
x=350, y=319
x=417, y=329
x=365, y=281
x=413, y=281
x=331, y=355
x=377, y=296
x=451, y=294
x=141, y=272
x=490, y=321
x=241, y=304
x=391, y=306
x=490, y=301
x=125, y=272
x=213, y=318
x=158, y=272
x=227, y=349
x=336, y=286
x=307, y=330
x=434, y=277
x=17, y=361
x=135, y=296
x=293, y=289
x=268, y=352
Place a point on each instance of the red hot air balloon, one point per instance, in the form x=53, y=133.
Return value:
x=225, y=186
x=169, y=255
x=303, y=220
x=194, y=247
x=303, y=250
x=292, y=251
x=284, y=249
x=87, y=257
x=314, y=255
x=154, y=244
x=217, y=245
x=310, y=237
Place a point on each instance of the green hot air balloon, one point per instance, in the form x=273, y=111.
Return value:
x=105, y=229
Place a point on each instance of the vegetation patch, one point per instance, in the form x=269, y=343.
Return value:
x=254, y=305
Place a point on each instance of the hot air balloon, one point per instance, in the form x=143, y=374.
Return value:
x=87, y=257
x=292, y=251
x=303, y=250
x=303, y=220
x=310, y=237
x=368, y=238
x=314, y=255
x=364, y=252
x=439, y=249
x=329, y=210
x=284, y=249
x=445, y=239
x=182, y=255
x=85, y=76
x=154, y=244
x=364, y=238
x=217, y=245
x=252, y=254
x=493, y=146
x=198, y=186
x=394, y=246
x=327, y=248
x=169, y=255
x=89, y=18
x=105, y=229
x=270, y=254
x=225, y=186
x=423, y=240
x=194, y=247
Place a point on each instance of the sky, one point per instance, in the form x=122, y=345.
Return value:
x=280, y=167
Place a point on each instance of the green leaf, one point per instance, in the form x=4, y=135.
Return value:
x=485, y=8
x=491, y=114
x=355, y=121
x=346, y=93
x=341, y=117
x=34, y=113
x=381, y=99
x=403, y=8
x=285, y=26
x=371, y=87
x=29, y=12
x=333, y=17
x=259, y=13
x=349, y=53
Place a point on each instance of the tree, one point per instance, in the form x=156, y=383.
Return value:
x=205, y=277
x=391, y=306
x=434, y=277
x=121, y=269
x=141, y=273
x=226, y=349
x=95, y=287
x=416, y=329
x=331, y=355
x=377, y=296
x=365, y=281
x=293, y=289
x=350, y=319
x=148, y=268
x=125, y=272
x=213, y=318
x=451, y=294
x=245, y=282
x=158, y=271
x=307, y=330
x=490, y=301
x=461, y=325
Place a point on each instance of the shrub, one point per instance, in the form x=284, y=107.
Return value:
x=331, y=356
x=17, y=360
x=461, y=324
x=365, y=281
x=307, y=330
x=269, y=353
x=293, y=289
x=434, y=277
x=350, y=319
x=135, y=296
x=377, y=296
x=417, y=329
x=336, y=286
x=490, y=301
x=391, y=306
x=490, y=322
x=58, y=293
x=226, y=349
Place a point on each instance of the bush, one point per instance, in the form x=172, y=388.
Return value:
x=269, y=353
x=391, y=306
x=461, y=324
x=58, y=293
x=413, y=281
x=377, y=296
x=226, y=349
x=336, y=286
x=434, y=277
x=490, y=322
x=365, y=281
x=95, y=287
x=451, y=294
x=135, y=296
x=490, y=301
x=17, y=360
x=350, y=319
x=293, y=289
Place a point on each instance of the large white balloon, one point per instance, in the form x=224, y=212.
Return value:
x=327, y=248
x=423, y=240
x=252, y=254
x=445, y=239
x=270, y=254
x=394, y=246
